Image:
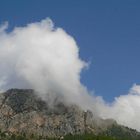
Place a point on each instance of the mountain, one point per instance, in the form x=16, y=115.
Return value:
x=22, y=111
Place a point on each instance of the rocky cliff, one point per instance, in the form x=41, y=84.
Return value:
x=22, y=111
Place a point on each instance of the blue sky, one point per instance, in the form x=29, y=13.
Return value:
x=107, y=32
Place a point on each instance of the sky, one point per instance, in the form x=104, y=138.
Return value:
x=107, y=33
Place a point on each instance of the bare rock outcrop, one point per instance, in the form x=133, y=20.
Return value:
x=22, y=111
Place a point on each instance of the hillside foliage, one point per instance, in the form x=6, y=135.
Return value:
x=7, y=136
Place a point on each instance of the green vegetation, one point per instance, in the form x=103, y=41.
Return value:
x=7, y=136
x=122, y=133
x=88, y=137
x=113, y=133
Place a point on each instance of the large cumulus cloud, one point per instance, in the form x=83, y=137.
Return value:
x=46, y=59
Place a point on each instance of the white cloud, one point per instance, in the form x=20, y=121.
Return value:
x=46, y=58
x=125, y=109
x=3, y=27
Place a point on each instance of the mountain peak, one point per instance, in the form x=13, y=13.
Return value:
x=22, y=111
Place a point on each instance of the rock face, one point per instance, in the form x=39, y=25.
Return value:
x=23, y=111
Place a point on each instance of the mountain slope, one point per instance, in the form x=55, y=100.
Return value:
x=22, y=111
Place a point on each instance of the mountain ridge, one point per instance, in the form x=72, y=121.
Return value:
x=22, y=111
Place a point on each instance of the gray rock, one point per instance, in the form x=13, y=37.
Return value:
x=23, y=111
